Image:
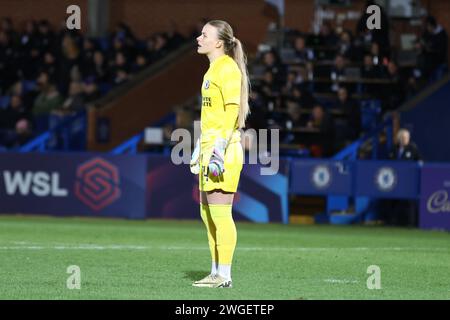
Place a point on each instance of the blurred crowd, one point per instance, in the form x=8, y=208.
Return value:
x=322, y=91
x=339, y=84
x=48, y=71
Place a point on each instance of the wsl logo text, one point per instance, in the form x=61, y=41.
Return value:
x=39, y=184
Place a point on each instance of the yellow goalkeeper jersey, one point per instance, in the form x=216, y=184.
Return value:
x=221, y=95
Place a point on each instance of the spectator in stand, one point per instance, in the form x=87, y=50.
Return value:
x=328, y=37
x=90, y=90
x=272, y=63
x=23, y=133
x=302, y=53
x=378, y=58
x=7, y=62
x=50, y=66
x=6, y=25
x=14, y=117
x=368, y=69
x=140, y=63
x=434, y=50
x=352, y=112
x=27, y=96
x=269, y=86
x=74, y=102
x=149, y=49
x=160, y=47
x=48, y=98
x=71, y=63
x=293, y=110
x=338, y=71
x=119, y=46
x=291, y=81
x=18, y=136
x=28, y=53
x=345, y=46
x=371, y=71
x=401, y=212
x=404, y=148
x=89, y=49
x=123, y=32
x=323, y=122
x=99, y=68
x=120, y=70
x=46, y=39
x=303, y=97
x=412, y=87
x=13, y=113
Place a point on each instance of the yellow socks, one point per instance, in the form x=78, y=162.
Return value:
x=226, y=236
x=211, y=230
x=222, y=236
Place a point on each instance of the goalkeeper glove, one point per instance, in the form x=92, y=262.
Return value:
x=216, y=163
x=195, y=159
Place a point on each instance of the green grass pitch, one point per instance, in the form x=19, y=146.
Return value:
x=154, y=259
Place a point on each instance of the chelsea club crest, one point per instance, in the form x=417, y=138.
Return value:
x=385, y=179
x=321, y=176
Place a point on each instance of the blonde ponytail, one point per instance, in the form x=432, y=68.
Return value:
x=241, y=60
x=233, y=48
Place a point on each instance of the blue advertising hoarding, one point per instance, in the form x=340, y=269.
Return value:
x=321, y=177
x=73, y=184
x=387, y=179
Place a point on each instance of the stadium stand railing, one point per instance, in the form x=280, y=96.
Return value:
x=337, y=208
x=66, y=135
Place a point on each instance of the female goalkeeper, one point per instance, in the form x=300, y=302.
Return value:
x=218, y=156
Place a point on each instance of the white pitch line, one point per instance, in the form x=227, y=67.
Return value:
x=340, y=281
x=143, y=247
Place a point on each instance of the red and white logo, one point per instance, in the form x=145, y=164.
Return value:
x=97, y=183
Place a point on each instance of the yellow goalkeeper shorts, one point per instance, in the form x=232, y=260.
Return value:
x=229, y=180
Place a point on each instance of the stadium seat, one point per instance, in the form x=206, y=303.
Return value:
x=28, y=85
x=370, y=112
x=4, y=101
x=105, y=88
x=103, y=44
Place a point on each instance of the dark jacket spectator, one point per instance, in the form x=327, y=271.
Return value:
x=352, y=112
x=8, y=69
x=328, y=37
x=71, y=63
x=272, y=64
x=75, y=101
x=434, y=47
x=13, y=113
x=302, y=53
x=320, y=119
x=90, y=90
x=345, y=45
x=404, y=148
x=369, y=70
